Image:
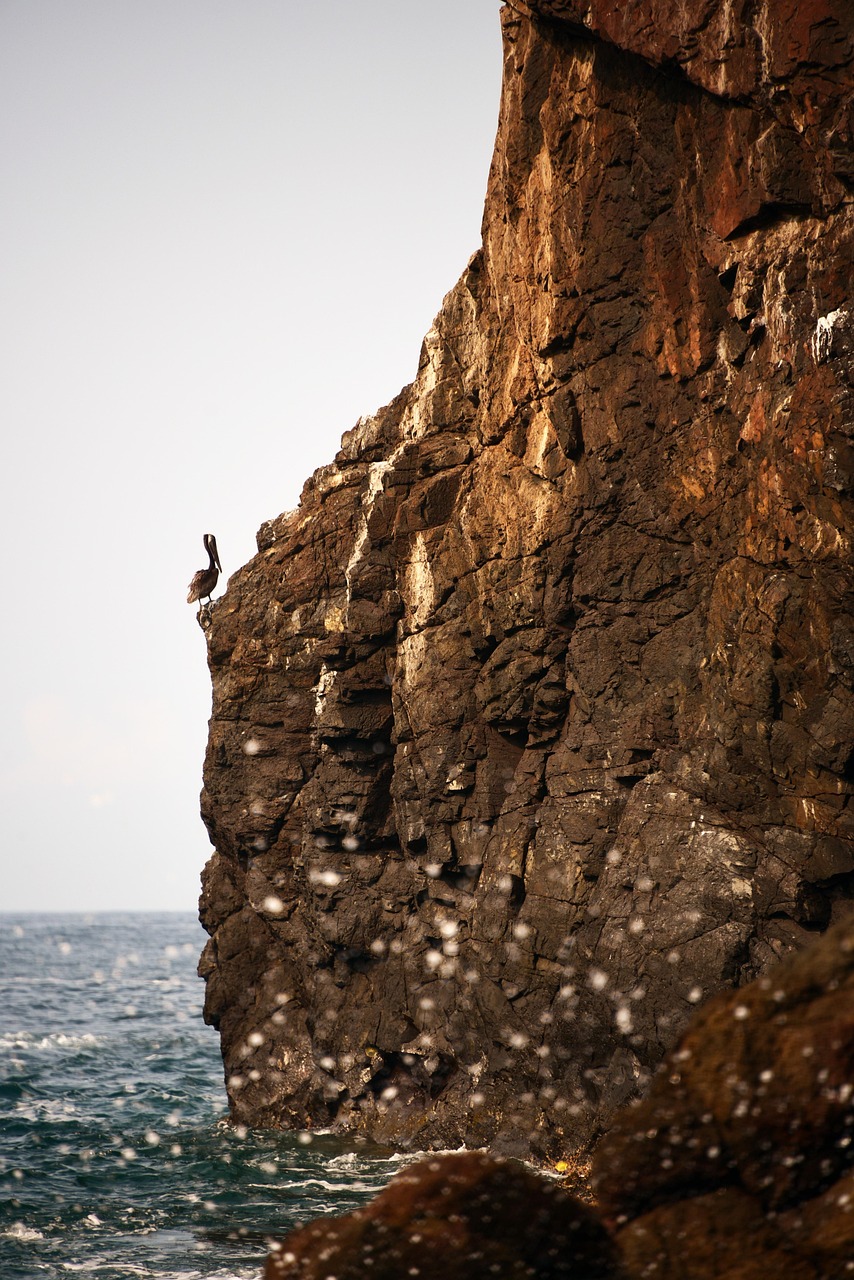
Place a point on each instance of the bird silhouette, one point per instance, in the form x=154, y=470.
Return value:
x=206, y=579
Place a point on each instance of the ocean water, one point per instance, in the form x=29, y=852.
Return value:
x=115, y=1156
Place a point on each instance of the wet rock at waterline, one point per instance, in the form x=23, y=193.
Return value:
x=738, y=1164
x=454, y=1216
x=532, y=726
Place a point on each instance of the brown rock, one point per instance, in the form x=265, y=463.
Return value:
x=532, y=727
x=720, y=1236
x=730, y=1169
x=740, y=1155
x=789, y=58
x=454, y=1216
x=822, y=1228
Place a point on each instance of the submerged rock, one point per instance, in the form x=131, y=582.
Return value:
x=532, y=726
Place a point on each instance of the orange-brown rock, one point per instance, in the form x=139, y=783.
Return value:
x=532, y=726
x=456, y=1216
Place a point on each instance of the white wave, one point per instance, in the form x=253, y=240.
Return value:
x=319, y=1184
x=207, y=1274
x=20, y=1231
x=349, y=1160
x=54, y=1040
x=45, y=1109
x=94, y=1265
x=356, y=1160
x=102, y=1264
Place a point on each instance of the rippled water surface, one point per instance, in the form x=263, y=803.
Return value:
x=115, y=1158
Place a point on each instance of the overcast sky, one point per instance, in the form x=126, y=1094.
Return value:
x=227, y=225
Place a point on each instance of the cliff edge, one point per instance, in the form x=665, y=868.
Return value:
x=532, y=726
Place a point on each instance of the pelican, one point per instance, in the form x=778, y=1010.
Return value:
x=206, y=579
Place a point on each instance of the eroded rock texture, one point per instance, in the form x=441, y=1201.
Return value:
x=736, y=1166
x=532, y=725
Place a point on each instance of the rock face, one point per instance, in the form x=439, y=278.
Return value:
x=532, y=726
x=736, y=1166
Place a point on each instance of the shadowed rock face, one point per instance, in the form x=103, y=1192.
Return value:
x=453, y=1218
x=532, y=725
x=736, y=1166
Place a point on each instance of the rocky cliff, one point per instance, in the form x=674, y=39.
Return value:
x=738, y=1165
x=532, y=726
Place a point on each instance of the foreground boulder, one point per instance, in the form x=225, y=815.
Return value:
x=452, y=1218
x=738, y=1165
x=739, y=1162
x=532, y=725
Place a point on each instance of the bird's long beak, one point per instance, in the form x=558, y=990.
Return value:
x=215, y=553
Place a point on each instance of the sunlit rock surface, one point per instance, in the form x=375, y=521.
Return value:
x=532, y=726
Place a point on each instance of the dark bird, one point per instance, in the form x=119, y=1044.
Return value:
x=206, y=579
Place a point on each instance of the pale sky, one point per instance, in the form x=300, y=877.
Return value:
x=226, y=227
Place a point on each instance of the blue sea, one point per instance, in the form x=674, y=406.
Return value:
x=116, y=1159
